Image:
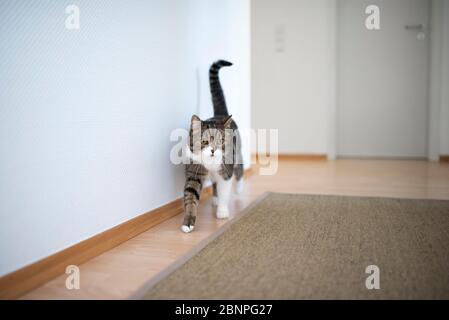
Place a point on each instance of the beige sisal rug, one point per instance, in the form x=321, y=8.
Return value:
x=288, y=246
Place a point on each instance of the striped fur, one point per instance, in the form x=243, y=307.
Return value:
x=195, y=176
x=217, y=136
x=218, y=99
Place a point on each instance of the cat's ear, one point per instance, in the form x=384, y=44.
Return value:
x=227, y=121
x=195, y=122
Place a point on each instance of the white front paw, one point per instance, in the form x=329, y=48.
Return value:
x=222, y=212
x=187, y=229
x=215, y=201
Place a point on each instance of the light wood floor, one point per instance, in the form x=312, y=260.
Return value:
x=120, y=272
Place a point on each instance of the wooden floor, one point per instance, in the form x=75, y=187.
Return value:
x=120, y=272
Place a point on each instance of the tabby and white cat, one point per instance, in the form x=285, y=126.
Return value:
x=215, y=152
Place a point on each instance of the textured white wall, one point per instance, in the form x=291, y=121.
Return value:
x=222, y=29
x=85, y=115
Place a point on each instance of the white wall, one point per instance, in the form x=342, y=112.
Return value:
x=222, y=29
x=292, y=88
x=85, y=115
x=444, y=116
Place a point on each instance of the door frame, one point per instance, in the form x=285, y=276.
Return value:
x=434, y=77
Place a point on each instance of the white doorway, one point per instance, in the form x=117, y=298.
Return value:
x=382, y=79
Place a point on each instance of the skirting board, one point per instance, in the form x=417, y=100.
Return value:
x=17, y=283
x=297, y=157
x=303, y=157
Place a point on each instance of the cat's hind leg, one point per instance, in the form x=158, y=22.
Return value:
x=214, y=193
x=238, y=172
x=224, y=194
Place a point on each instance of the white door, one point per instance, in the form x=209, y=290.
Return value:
x=382, y=79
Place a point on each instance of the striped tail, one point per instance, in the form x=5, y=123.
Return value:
x=218, y=99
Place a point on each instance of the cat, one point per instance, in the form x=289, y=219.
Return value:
x=214, y=150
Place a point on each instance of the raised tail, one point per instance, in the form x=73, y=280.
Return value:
x=218, y=99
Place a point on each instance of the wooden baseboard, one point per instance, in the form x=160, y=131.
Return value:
x=298, y=157
x=303, y=157
x=444, y=158
x=17, y=283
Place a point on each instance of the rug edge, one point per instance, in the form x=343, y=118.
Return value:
x=356, y=196
x=141, y=292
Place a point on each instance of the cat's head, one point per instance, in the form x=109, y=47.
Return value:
x=209, y=140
